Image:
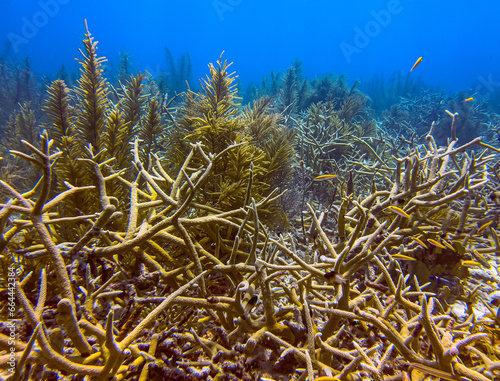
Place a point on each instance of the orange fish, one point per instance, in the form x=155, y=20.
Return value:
x=416, y=63
x=469, y=99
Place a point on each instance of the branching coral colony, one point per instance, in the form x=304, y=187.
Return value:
x=182, y=282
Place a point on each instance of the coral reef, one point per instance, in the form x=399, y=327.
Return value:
x=156, y=259
x=411, y=117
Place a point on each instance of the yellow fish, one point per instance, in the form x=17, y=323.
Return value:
x=324, y=177
x=483, y=227
x=398, y=211
x=470, y=264
x=326, y=378
x=420, y=242
x=416, y=63
x=436, y=243
x=481, y=259
x=469, y=99
x=448, y=245
x=404, y=257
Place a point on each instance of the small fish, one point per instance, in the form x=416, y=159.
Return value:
x=480, y=258
x=324, y=177
x=448, y=245
x=337, y=278
x=399, y=211
x=484, y=226
x=440, y=280
x=470, y=99
x=326, y=378
x=470, y=264
x=376, y=286
x=436, y=243
x=420, y=242
x=249, y=299
x=404, y=257
x=416, y=63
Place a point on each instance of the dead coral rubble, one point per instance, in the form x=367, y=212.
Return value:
x=182, y=290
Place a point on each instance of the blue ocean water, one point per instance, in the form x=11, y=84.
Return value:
x=458, y=40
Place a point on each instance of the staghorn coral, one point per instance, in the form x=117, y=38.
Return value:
x=296, y=308
x=170, y=285
x=411, y=116
x=337, y=140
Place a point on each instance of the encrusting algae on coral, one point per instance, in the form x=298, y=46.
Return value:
x=167, y=269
